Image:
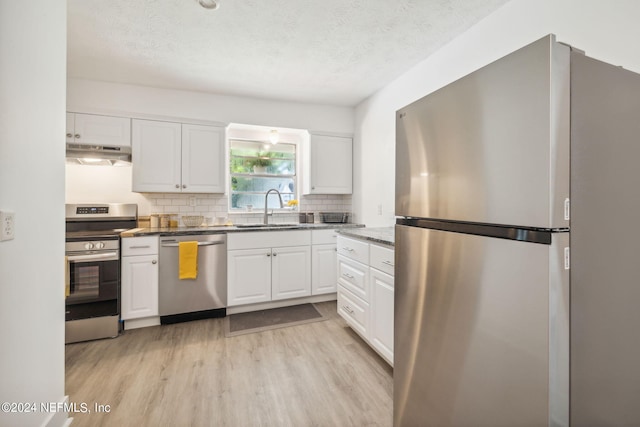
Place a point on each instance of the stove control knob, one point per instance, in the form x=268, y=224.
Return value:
x=99, y=245
x=88, y=245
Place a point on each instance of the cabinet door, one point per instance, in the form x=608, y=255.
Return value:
x=101, y=130
x=291, y=274
x=329, y=165
x=248, y=276
x=156, y=156
x=203, y=159
x=139, y=294
x=381, y=323
x=323, y=269
x=70, y=127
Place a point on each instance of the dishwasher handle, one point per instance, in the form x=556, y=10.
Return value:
x=175, y=245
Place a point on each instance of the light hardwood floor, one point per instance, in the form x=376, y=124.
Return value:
x=189, y=374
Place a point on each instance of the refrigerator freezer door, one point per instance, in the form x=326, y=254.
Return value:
x=492, y=147
x=481, y=330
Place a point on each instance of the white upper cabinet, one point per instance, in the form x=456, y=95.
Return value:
x=203, y=159
x=93, y=129
x=173, y=157
x=328, y=165
x=156, y=154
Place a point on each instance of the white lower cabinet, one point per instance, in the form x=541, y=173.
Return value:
x=290, y=272
x=323, y=272
x=139, y=288
x=381, y=328
x=366, y=291
x=248, y=276
x=323, y=262
x=259, y=275
x=268, y=266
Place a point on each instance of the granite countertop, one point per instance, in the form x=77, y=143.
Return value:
x=382, y=235
x=218, y=229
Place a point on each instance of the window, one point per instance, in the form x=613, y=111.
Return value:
x=255, y=168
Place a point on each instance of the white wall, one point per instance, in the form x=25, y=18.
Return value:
x=84, y=95
x=109, y=184
x=32, y=121
x=605, y=30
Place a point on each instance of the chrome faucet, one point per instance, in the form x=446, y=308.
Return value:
x=266, y=217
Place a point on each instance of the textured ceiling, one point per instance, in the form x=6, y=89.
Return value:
x=330, y=52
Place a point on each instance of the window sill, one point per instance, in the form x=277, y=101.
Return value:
x=284, y=211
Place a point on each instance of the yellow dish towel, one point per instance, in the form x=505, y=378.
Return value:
x=188, y=260
x=67, y=277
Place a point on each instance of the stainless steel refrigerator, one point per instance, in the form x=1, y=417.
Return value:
x=517, y=246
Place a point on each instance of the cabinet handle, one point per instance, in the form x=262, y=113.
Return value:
x=177, y=185
x=200, y=244
x=77, y=135
x=388, y=263
x=275, y=254
x=184, y=186
x=268, y=254
x=139, y=247
x=348, y=275
x=69, y=135
x=347, y=309
x=154, y=262
x=348, y=249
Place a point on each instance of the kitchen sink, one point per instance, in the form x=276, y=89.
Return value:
x=289, y=225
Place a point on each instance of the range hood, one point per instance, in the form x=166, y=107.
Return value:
x=98, y=155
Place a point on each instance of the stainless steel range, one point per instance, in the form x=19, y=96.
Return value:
x=92, y=250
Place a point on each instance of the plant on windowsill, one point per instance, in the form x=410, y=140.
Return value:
x=260, y=164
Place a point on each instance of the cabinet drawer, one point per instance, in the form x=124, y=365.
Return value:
x=382, y=258
x=354, y=249
x=354, y=311
x=353, y=276
x=323, y=237
x=140, y=246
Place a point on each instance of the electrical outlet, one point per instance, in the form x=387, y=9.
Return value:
x=192, y=201
x=7, y=227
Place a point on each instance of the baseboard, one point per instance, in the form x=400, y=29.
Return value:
x=141, y=323
x=280, y=303
x=59, y=418
x=196, y=315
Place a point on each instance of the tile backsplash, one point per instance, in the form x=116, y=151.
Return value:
x=213, y=205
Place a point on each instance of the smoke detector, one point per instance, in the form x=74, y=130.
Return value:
x=209, y=4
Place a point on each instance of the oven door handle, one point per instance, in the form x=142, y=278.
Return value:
x=106, y=256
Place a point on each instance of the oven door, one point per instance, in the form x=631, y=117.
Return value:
x=94, y=285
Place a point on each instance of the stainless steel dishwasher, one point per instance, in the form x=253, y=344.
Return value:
x=192, y=299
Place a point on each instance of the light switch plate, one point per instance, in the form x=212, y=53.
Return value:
x=7, y=227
